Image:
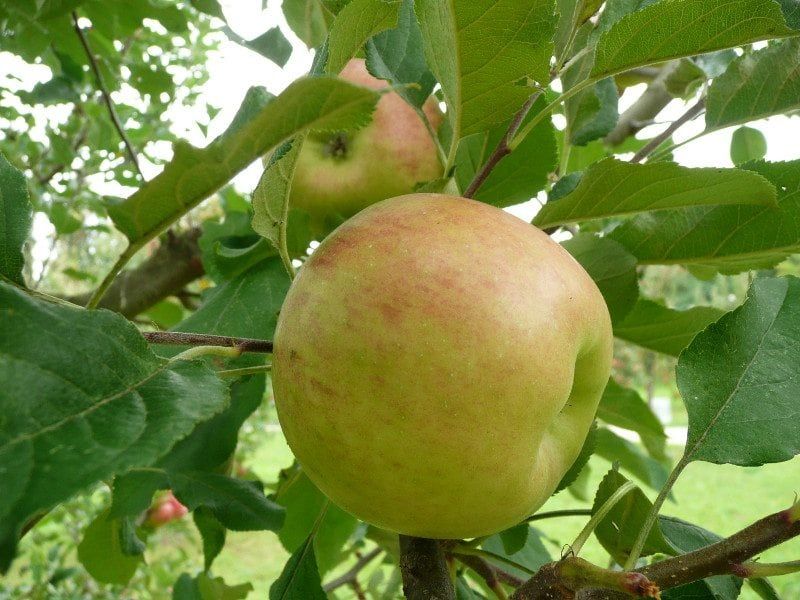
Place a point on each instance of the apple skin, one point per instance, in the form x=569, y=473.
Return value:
x=167, y=508
x=438, y=363
x=337, y=175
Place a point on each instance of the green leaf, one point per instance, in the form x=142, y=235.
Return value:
x=791, y=11
x=237, y=504
x=205, y=587
x=272, y=44
x=396, y=55
x=617, y=450
x=728, y=238
x=677, y=28
x=231, y=247
x=656, y=327
x=482, y=52
x=514, y=539
x=747, y=144
x=212, y=532
x=314, y=103
x=532, y=555
x=100, y=552
x=620, y=528
x=304, y=503
x=354, y=25
x=209, y=7
x=756, y=85
x=300, y=578
x=764, y=589
x=614, y=188
x=246, y=306
x=309, y=20
x=85, y=398
x=580, y=465
x=15, y=221
x=519, y=176
x=165, y=314
x=593, y=113
x=464, y=592
x=623, y=407
x=739, y=380
x=611, y=267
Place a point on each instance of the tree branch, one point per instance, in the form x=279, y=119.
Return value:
x=424, y=570
x=166, y=272
x=179, y=338
x=492, y=575
x=350, y=576
x=502, y=149
x=690, y=114
x=112, y=112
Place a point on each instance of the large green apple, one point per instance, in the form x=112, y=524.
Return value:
x=438, y=364
x=338, y=174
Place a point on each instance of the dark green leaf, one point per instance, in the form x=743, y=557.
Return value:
x=519, y=176
x=791, y=11
x=205, y=587
x=656, y=327
x=739, y=380
x=613, y=188
x=354, y=25
x=273, y=45
x=239, y=505
x=532, y=555
x=309, y=20
x=212, y=532
x=764, y=589
x=100, y=552
x=514, y=539
x=611, y=267
x=300, y=578
x=617, y=450
x=85, y=398
x=209, y=7
x=678, y=28
x=15, y=220
x=623, y=407
x=396, y=55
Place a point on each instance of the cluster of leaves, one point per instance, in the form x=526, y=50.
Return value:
x=85, y=399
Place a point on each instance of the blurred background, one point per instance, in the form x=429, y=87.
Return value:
x=191, y=73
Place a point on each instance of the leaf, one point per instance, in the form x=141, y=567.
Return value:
x=623, y=407
x=727, y=238
x=308, y=19
x=676, y=28
x=205, y=587
x=791, y=11
x=15, y=220
x=614, y=188
x=300, y=578
x=581, y=463
x=84, y=398
x=238, y=505
x=594, y=113
x=271, y=196
x=519, y=176
x=611, y=267
x=272, y=44
x=656, y=327
x=100, y=552
x=514, y=539
x=212, y=532
x=532, y=555
x=397, y=56
x=620, y=528
x=739, y=380
x=482, y=81
x=304, y=503
x=713, y=588
x=209, y=7
x=764, y=589
x=464, y=592
x=313, y=103
x=756, y=85
x=747, y=144
x=617, y=450
x=354, y=25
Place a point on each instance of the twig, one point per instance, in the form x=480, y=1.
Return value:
x=576, y=512
x=424, y=570
x=106, y=94
x=690, y=114
x=491, y=574
x=502, y=149
x=177, y=338
x=351, y=575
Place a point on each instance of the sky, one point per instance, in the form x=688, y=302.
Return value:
x=233, y=69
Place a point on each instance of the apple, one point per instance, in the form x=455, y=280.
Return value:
x=166, y=508
x=437, y=366
x=338, y=174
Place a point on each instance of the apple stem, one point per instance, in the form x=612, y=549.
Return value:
x=178, y=338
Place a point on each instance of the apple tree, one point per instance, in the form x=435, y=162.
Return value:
x=440, y=368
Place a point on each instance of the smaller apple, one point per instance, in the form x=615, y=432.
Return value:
x=167, y=508
x=338, y=174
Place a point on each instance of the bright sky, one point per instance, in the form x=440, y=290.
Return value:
x=234, y=69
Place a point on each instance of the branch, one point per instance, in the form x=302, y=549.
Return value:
x=424, y=570
x=178, y=338
x=502, y=149
x=690, y=114
x=646, y=107
x=106, y=94
x=492, y=575
x=351, y=576
x=166, y=272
